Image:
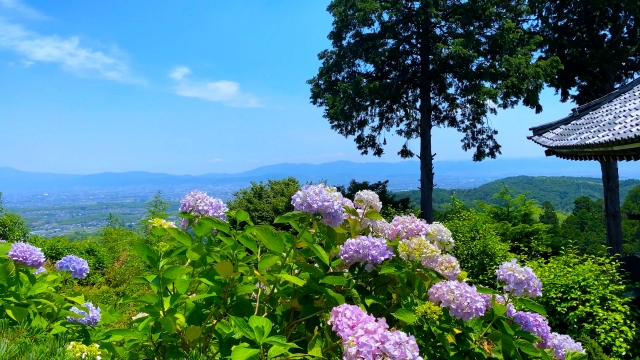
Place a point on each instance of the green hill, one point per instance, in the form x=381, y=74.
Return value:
x=560, y=191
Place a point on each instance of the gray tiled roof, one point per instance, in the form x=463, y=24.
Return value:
x=612, y=119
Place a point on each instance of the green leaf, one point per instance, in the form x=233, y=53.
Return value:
x=373, y=215
x=202, y=228
x=242, y=327
x=268, y=237
x=498, y=309
x=196, y=252
x=248, y=242
x=224, y=269
x=279, y=340
x=289, y=217
x=261, y=328
x=484, y=290
x=182, y=285
x=243, y=353
x=216, y=223
x=291, y=279
x=242, y=215
x=76, y=298
x=267, y=261
x=315, y=346
x=192, y=332
x=337, y=297
x=175, y=272
x=320, y=253
x=276, y=351
x=147, y=254
x=245, y=289
x=16, y=313
x=335, y=280
x=181, y=236
x=533, y=306
x=405, y=315
x=527, y=347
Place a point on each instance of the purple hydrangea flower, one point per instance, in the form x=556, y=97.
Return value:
x=26, y=254
x=445, y=264
x=365, y=337
x=535, y=324
x=78, y=267
x=90, y=319
x=367, y=250
x=198, y=203
x=40, y=270
x=406, y=227
x=519, y=280
x=323, y=200
x=561, y=344
x=463, y=301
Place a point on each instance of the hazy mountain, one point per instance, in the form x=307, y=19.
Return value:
x=402, y=175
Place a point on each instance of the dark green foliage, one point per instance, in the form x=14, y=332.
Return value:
x=584, y=296
x=407, y=66
x=559, y=191
x=477, y=247
x=516, y=224
x=28, y=343
x=267, y=201
x=12, y=226
x=596, y=42
x=391, y=205
x=631, y=228
x=584, y=228
x=157, y=208
x=549, y=215
x=593, y=349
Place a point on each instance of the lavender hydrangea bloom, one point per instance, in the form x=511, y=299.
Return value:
x=535, y=324
x=365, y=337
x=26, y=254
x=367, y=250
x=368, y=199
x=90, y=319
x=200, y=204
x=445, y=264
x=40, y=270
x=463, y=301
x=78, y=267
x=323, y=200
x=519, y=280
x=406, y=227
x=380, y=228
x=561, y=344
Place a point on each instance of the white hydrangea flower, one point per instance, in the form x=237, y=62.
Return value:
x=369, y=199
x=440, y=236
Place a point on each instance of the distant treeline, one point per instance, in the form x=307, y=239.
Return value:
x=559, y=191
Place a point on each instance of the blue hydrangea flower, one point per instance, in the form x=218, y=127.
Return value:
x=40, y=270
x=322, y=200
x=198, y=203
x=535, y=324
x=366, y=250
x=26, y=254
x=90, y=319
x=78, y=267
x=561, y=344
x=464, y=301
x=519, y=280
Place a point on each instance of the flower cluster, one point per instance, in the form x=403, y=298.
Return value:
x=88, y=352
x=464, y=301
x=78, y=267
x=519, y=280
x=380, y=228
x=90, y=319
x=440, y=236
x=428, y=253
x=535, y=324
x=408, y=226
x=198, y=203
x=365, y=337
x=367, y=250
x=40, y=270
x=26, y=254
x=162, y=223
x=367, y=199
x=322, y=200
x=561, y=344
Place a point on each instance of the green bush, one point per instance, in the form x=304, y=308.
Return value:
x=478, y=249
x=584, y=297
x=267, y=201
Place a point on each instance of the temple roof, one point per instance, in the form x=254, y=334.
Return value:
x=607, y=127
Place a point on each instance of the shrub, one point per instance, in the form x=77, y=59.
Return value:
x=584, y=297
x=267, y=201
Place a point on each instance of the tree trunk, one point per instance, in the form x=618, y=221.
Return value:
x=426, y=158
x=613, y=218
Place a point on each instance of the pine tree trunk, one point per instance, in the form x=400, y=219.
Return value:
x=613, y=218
x=426, y=158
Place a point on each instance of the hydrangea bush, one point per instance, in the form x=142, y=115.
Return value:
x=343, y=283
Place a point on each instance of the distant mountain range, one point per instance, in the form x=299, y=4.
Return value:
x=401, y=175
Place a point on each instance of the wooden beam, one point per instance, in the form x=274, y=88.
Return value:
x=613, y=218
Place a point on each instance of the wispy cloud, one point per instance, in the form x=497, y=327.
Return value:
x=20, y=8
x=222, y=91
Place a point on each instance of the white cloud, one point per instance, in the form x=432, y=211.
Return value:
x=223, y=91
x=68, y=52
x=22, y=9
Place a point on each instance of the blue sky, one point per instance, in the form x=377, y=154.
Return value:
x=208, y=86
